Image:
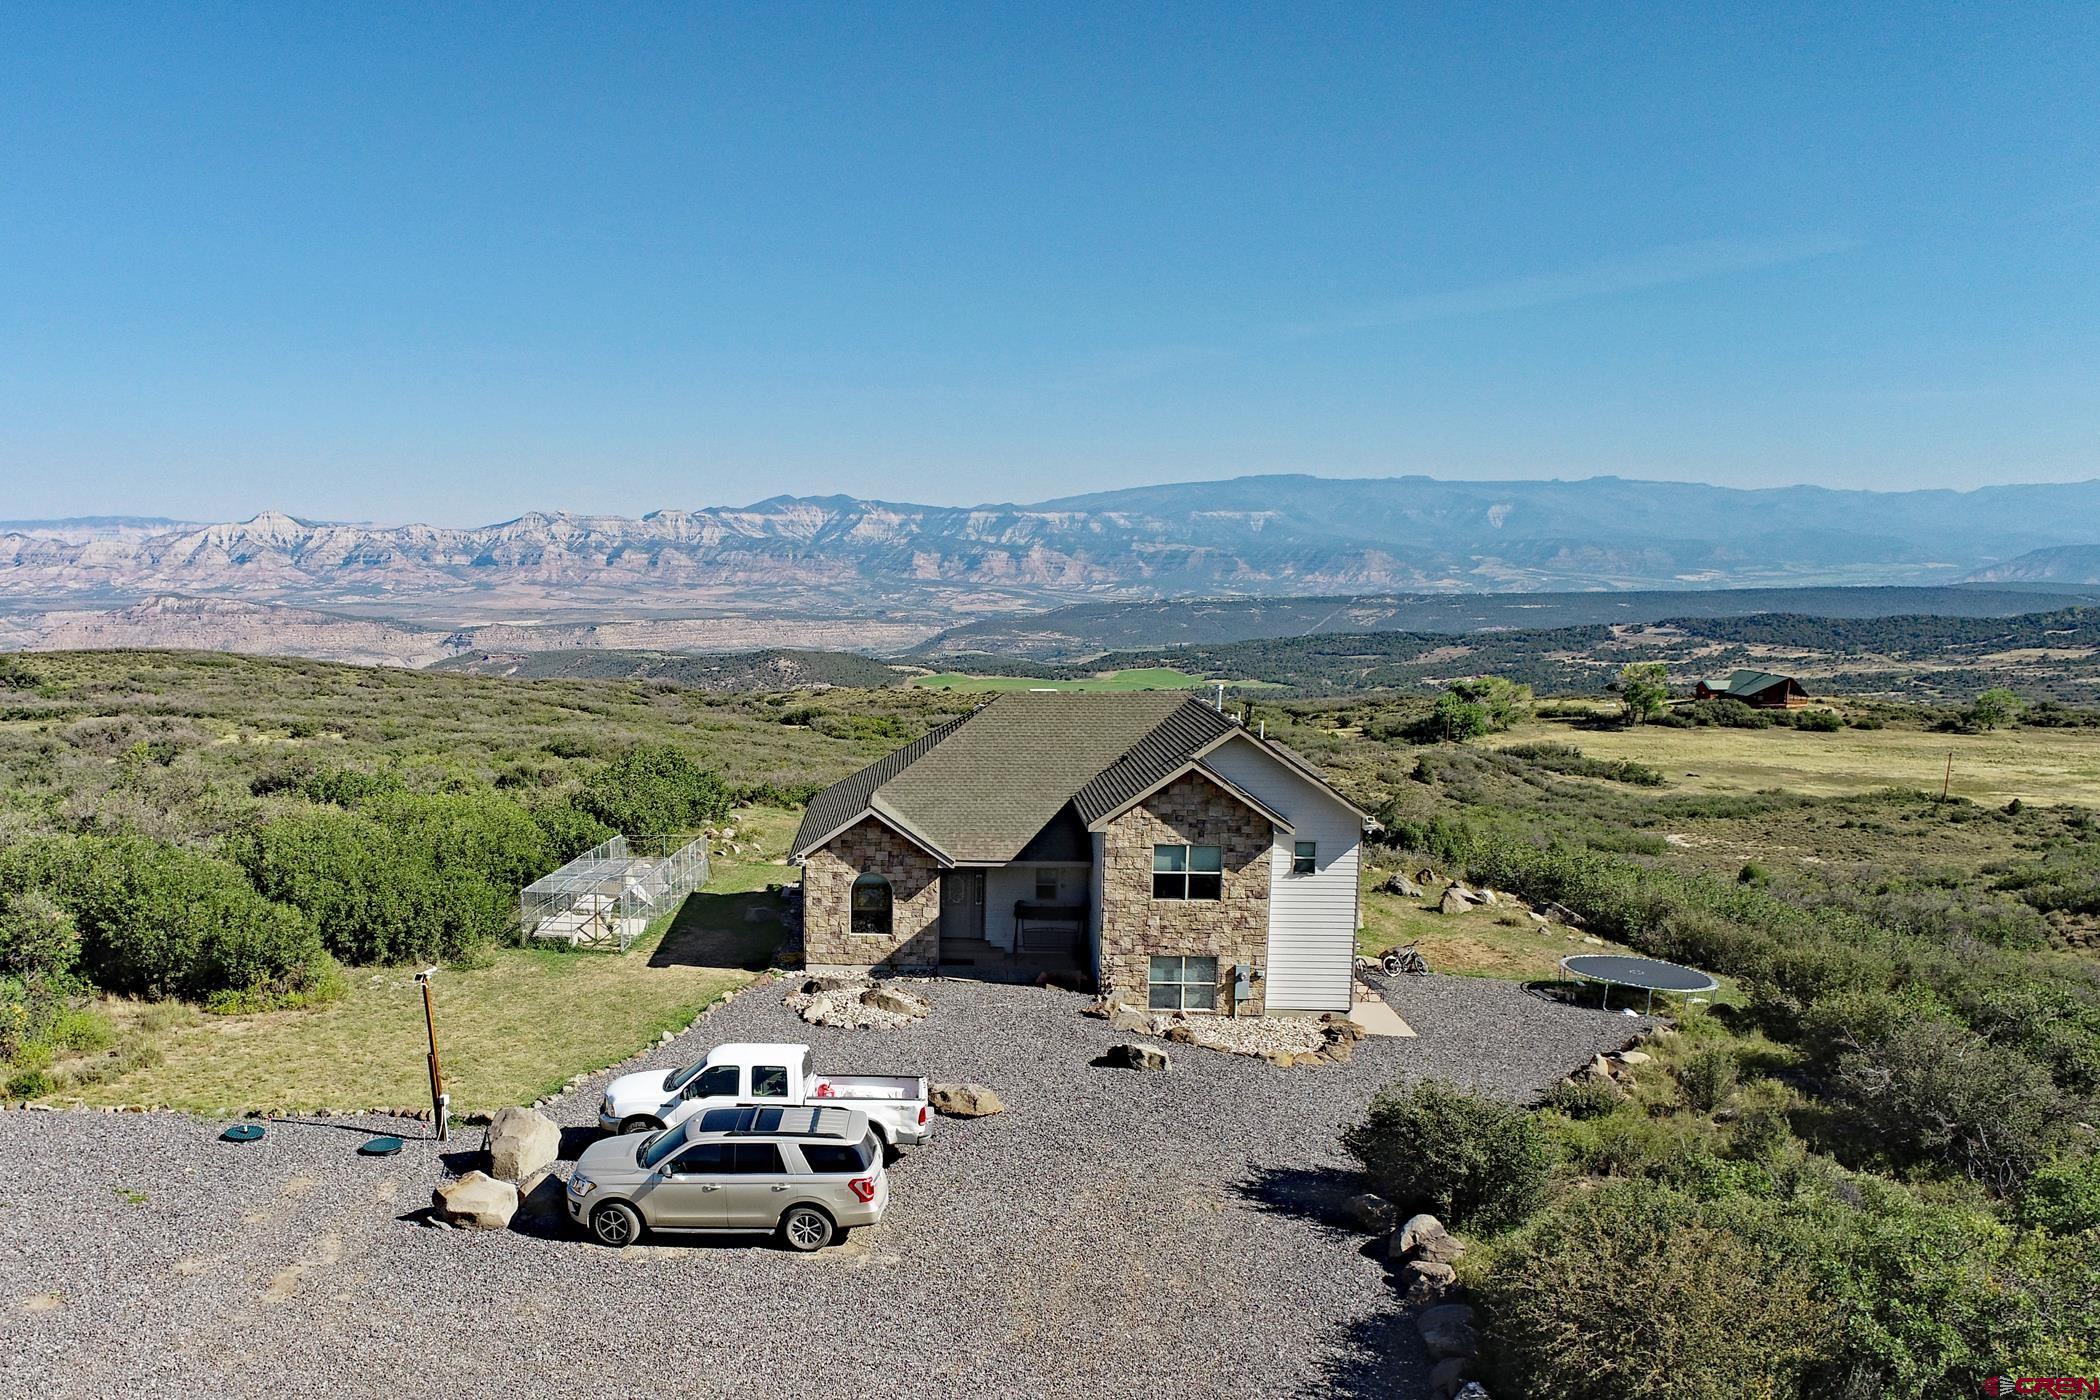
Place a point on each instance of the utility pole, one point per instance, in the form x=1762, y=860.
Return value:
x=440, y=1104
x=1947, y=778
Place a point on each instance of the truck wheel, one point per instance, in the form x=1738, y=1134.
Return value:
x=615, y=1224
x=805, y=1229
x=640, y=1123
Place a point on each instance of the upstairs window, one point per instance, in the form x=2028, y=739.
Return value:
x=871, y=905
x=1305, y=858
x=1188, y=872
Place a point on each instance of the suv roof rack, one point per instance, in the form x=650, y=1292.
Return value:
x=749, y=1120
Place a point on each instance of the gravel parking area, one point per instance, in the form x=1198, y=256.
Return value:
x=1113, y=1233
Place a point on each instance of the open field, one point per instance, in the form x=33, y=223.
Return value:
x=508, y=1032
x=2035, y=765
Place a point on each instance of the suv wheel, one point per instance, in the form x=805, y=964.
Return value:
x=640, y=1123
x=615, y=1224
x=805, y=1229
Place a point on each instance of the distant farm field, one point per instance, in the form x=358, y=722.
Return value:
x=1146, y=678
x=2034, y=765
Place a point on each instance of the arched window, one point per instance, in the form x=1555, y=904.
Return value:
x=871, y=905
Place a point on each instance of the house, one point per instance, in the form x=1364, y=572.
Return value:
x=1761, y=689
x=1143, y=838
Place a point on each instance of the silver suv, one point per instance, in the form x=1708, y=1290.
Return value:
x=809, y=1174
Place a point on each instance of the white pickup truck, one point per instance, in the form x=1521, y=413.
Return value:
x=769, y=1076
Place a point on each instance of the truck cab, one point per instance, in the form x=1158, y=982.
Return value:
x=763, y=1074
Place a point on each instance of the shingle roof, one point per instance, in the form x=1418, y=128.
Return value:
x=1747, y=683
x=985, y=787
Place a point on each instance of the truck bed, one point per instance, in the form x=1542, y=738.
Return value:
x=899, y=1088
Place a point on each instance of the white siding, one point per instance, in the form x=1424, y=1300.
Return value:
x=1312, y=918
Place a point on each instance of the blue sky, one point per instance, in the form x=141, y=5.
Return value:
x=450, y=264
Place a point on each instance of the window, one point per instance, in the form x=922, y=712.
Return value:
x=769, y=1081
x=1188, y=872
x=1184, y=984
x=1305, y=857
x=718, y=1082
x=871, y=905
x=838, y=1158
x=1046, y=886
x=702, y=1159
x=755, y=1159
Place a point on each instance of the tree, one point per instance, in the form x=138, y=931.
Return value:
x=1453, y=720
x=1644, y=686
x=654, y=789
x=1477, y=1162
x=1504, y=702
x=1994, y=707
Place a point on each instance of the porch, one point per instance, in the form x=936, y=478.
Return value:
x=1015, y=923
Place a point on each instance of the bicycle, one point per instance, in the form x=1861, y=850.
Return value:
x=1406, y=958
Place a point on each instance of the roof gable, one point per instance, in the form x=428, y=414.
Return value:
x=989, y=787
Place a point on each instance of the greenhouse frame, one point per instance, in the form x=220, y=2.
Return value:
x=608, y=895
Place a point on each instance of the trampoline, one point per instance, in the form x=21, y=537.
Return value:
x=1650, y=975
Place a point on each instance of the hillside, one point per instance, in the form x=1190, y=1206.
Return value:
x=1087, y=629
x=2068, y=563
x=1271, y=535
x=2053, y=655
x=770, y=670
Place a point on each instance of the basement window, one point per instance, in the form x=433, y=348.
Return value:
x=1305, y=857
x=1188, y=872
x=1183, y=984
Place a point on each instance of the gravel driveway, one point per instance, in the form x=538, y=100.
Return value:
x=1113, y=1234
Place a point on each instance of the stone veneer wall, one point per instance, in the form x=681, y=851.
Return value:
x=1135, y=926
x=828, y=873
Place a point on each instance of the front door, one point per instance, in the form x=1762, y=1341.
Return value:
x=962, y=904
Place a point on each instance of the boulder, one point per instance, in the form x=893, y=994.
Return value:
x=522, y=1143
x=1455, y=901
x=477, y=1201
x=1423, y=1281
x=896, y=1001
x=1634, y=1057
x=1135, y=1057
x=1402, y=886
x=1416, y=1228
x=1099, y=1008
x=964, y=1100
x=1129, y=1019
x=1472, y=1390
x=1369, y=1212
x=1438, y=1248
x=1447, y=1331
x=1448, y=1377
x=1181, y=1034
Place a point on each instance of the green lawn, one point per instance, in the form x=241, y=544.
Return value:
x=508, y=1032
x=1147, y=678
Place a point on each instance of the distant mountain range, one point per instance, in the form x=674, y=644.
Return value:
x=1268, y=535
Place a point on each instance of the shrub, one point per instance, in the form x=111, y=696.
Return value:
x=1639, y=1291
x=568, y=830
x=1922, y=1088
x=1708, y=1076
x=654, y=789
x=1583, y=1098
x=2063, y=1197
x=37, y=937
x=1477, y=1162
x=159, y=920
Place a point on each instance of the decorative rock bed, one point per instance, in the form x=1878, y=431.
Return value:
x=1281, y=1040
x=851, y=1003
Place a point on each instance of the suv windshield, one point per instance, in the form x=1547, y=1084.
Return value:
x=658, y=1146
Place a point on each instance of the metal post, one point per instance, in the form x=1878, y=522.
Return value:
x=440, y=1106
